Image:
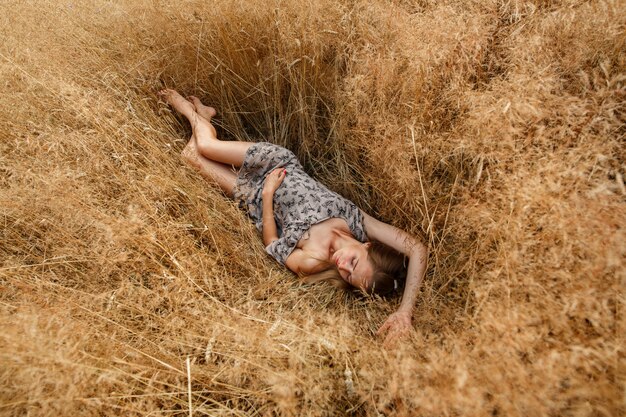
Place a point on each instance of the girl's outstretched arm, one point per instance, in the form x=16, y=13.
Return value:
x=399, y=323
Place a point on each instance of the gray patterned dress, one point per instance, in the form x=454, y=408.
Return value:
x=299, y=202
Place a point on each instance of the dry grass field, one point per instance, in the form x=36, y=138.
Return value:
x=493, y=130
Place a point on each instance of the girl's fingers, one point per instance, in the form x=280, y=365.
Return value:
x=280, y=172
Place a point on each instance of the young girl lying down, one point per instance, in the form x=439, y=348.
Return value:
x=306, y=227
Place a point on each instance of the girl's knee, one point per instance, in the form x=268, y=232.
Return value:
x=204, y=147
x=190, y=155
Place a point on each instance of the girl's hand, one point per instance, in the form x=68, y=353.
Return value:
x=397, y=326
x=273, y=180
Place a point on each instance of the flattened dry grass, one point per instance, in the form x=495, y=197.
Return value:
x=492, y=130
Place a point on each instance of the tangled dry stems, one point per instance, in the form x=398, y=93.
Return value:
x=492, y=130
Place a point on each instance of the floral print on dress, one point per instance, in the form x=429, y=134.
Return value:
x=299, y=202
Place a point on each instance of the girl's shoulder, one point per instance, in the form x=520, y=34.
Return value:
x=305, y=263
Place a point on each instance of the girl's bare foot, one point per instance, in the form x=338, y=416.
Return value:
x=201, y=128
x=179, y=103
x=204, y=111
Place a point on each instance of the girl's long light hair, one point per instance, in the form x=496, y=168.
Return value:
x=389, y=273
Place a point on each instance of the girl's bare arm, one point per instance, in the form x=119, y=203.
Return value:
x=269, y=224
x=399, y=323
x=272, y=182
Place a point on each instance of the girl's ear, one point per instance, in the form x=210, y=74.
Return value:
x=367, y=245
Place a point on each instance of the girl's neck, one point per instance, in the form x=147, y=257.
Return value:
x=337, y=241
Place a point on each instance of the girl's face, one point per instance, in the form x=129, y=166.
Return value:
x=353, y=265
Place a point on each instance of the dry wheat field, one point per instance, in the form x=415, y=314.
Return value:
x=493, y=130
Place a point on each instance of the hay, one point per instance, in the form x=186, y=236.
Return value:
x=493, y=130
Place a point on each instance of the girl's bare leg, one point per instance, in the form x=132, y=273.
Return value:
x=207, y=143
x=222, y=174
